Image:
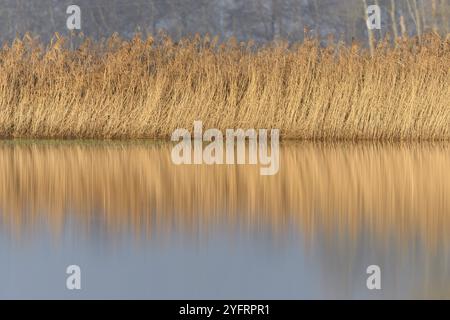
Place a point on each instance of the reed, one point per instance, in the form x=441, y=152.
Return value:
x=146, y=88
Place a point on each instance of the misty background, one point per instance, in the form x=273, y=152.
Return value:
x=260, y=20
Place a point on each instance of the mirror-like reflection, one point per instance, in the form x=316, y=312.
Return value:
x=225, y=231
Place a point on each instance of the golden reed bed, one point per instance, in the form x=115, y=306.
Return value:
x=144, y=88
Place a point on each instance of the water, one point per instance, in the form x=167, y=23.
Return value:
x=140, y=227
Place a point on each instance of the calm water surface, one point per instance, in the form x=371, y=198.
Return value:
x=141, y=227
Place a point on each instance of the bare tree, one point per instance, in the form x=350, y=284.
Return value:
x=445, y=12
x=369, y=30
x=393, y=19
x=414, y=12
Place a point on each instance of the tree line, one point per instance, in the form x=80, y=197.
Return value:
x=260, y=20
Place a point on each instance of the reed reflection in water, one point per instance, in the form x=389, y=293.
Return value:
x=336, y=207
